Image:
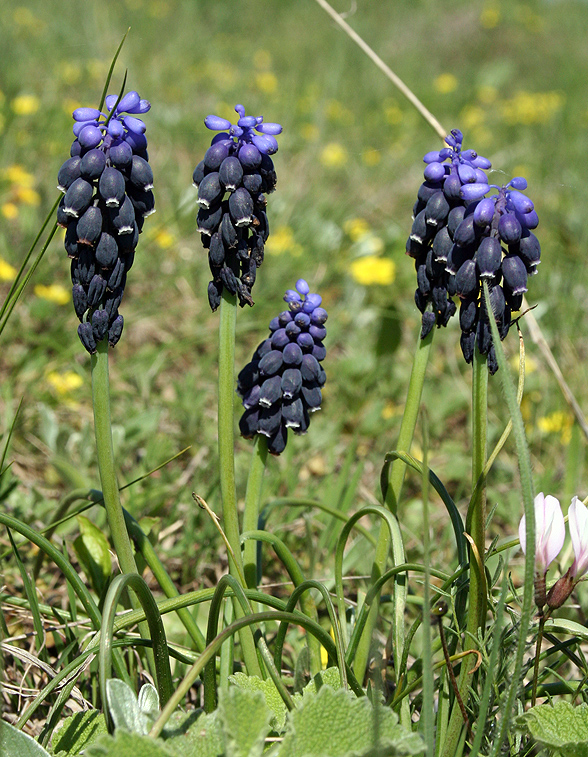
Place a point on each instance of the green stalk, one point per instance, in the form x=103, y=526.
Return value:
x=251, y=512
x=226, y=456
x=391, y=499
x=226, y=435
x=476, y=527
x=114, y=511
x=476, y=517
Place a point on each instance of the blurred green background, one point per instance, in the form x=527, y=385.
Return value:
x=511, y=75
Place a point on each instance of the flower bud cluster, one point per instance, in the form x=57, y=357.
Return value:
x=493, y=242
x=281, y=385
x=107, y=185
x=460, y=238
x=233, y=180
x=439, y=207
x=549, y=540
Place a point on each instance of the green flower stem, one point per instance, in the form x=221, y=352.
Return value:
x=226, y=435
x=251, y=512
x=226, y=455
x=391, y=498
x=476, y=517
x=537, y=655
x=110, y=491
x=114, y=512
x=476, y=527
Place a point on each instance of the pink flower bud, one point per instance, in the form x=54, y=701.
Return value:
x=549, y=531
x=578, y=521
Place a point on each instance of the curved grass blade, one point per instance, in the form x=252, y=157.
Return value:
x=156, y=629
x=281, y=637
x=212, y=649
x=111, y=69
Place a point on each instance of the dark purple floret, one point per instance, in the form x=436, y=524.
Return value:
x=233, y=180
x=281, y=385
x=107, y=184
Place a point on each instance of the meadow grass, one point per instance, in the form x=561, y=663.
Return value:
x=510, y=75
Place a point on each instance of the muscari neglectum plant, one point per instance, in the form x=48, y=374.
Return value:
x=474, y=248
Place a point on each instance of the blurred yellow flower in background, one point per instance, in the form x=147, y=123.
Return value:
x=7, y=271
x=531, y=107
x=393, y=114
x=558, y=422
x=25, y=105
x=27, y=196
x=266, y=82
x=16, y=174
x=282, y=241
x=334, y=155
x=53, y=293
x=355, y=228
x=262, y=59
x=445, y=83
x=64, y=383
x=9, y=210
x=372, y=269
x=371, y=157
x=309, y=132
x=164, y=239
x=487, y=94
x=490, y=16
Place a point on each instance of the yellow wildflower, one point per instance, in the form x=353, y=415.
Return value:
x=490, y=16
x=25, y=105
x=487, y=94
x=282, y=241
x=164, y=239
x=334, y=155
x=355, y=228
x=27, y=21
x=70, y=73
x=16, y=174
x=558, y=422
x=309, y=132
x=266, y=82
x=393, y=114
x=158, y=9
x=9, y=210
x=27, y=196
x=371, y=157
x=391, y=409
x=262, y=60
x=7, y=271
x=64, y=383
x=53, y=293
x=445, y=83
x=531, y=107
x=371, y=269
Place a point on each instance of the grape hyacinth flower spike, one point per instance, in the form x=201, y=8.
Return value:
x=107, y=184
x=233, y=180
x=494, y=242
x=439, y=208
x=282, y=384
x=461, y=238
